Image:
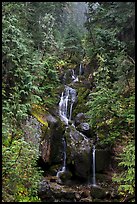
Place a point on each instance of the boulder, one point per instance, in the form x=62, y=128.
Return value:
x=64, y=177
x=52, y=144
x=80, y=118
x=67, y=77
x=82, y=164
x=84, y=128
x=78, y=152
x=32, y=131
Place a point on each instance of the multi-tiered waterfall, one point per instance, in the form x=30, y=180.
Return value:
x=68, y=97
x=67, y=100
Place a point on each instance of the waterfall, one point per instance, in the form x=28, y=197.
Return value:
x=80, y=69
x=63, y=169
x=63, y=106
x=94, y=165
x=74, y=77
x=64, y=153
x=73, y=74
x=67, y=100
x=70, y=111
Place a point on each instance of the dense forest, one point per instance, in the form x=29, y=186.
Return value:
x=44, y=46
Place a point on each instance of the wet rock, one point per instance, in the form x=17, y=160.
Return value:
x=102, y=159
x=78, y=152
x=67, y=77
x=98, y=192
x=64, y=177
x=84, y=128
x=52, y=121
x=80, y=118
x=54, y=169
x=82, y=164
x=52, y=129
x=52, y=145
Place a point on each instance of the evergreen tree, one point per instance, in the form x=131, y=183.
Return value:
x=110, y=42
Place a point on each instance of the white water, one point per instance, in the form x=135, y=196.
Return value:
x=63, y=169
x=74, y=77
x=64, y=152
x=70, y=111
x=80, y=69
x=63, y=107
x=94, y=165
x=67, y=100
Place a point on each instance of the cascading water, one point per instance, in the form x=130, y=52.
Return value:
x=67, y=100
x=80, y=69
x=64, y=152
x=74, y=77
x=63, y=169
x=94, y=165
x=63, y=106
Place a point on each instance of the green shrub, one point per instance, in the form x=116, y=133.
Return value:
x=19, y=172
x=126, y=179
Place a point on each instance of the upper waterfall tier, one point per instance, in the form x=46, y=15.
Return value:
x=68, y=97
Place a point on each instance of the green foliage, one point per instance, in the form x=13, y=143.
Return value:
x=35, y=38
x=111, y=105
x=29, y=77
x=111, y=115
x=111, y=29
x=126, y=179
x=82, y=94
x=72, y=44
x=19, y=164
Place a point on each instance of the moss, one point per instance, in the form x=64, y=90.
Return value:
x=40, y=114
x=54, y=169
x=82, y=100
x=66, y=176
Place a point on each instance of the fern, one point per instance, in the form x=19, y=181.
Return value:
x=126, y=179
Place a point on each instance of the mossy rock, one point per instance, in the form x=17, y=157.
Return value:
x=83, y=94
x=65, y=176
x=40, y=114
x=53, y=128
x=54, y=169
